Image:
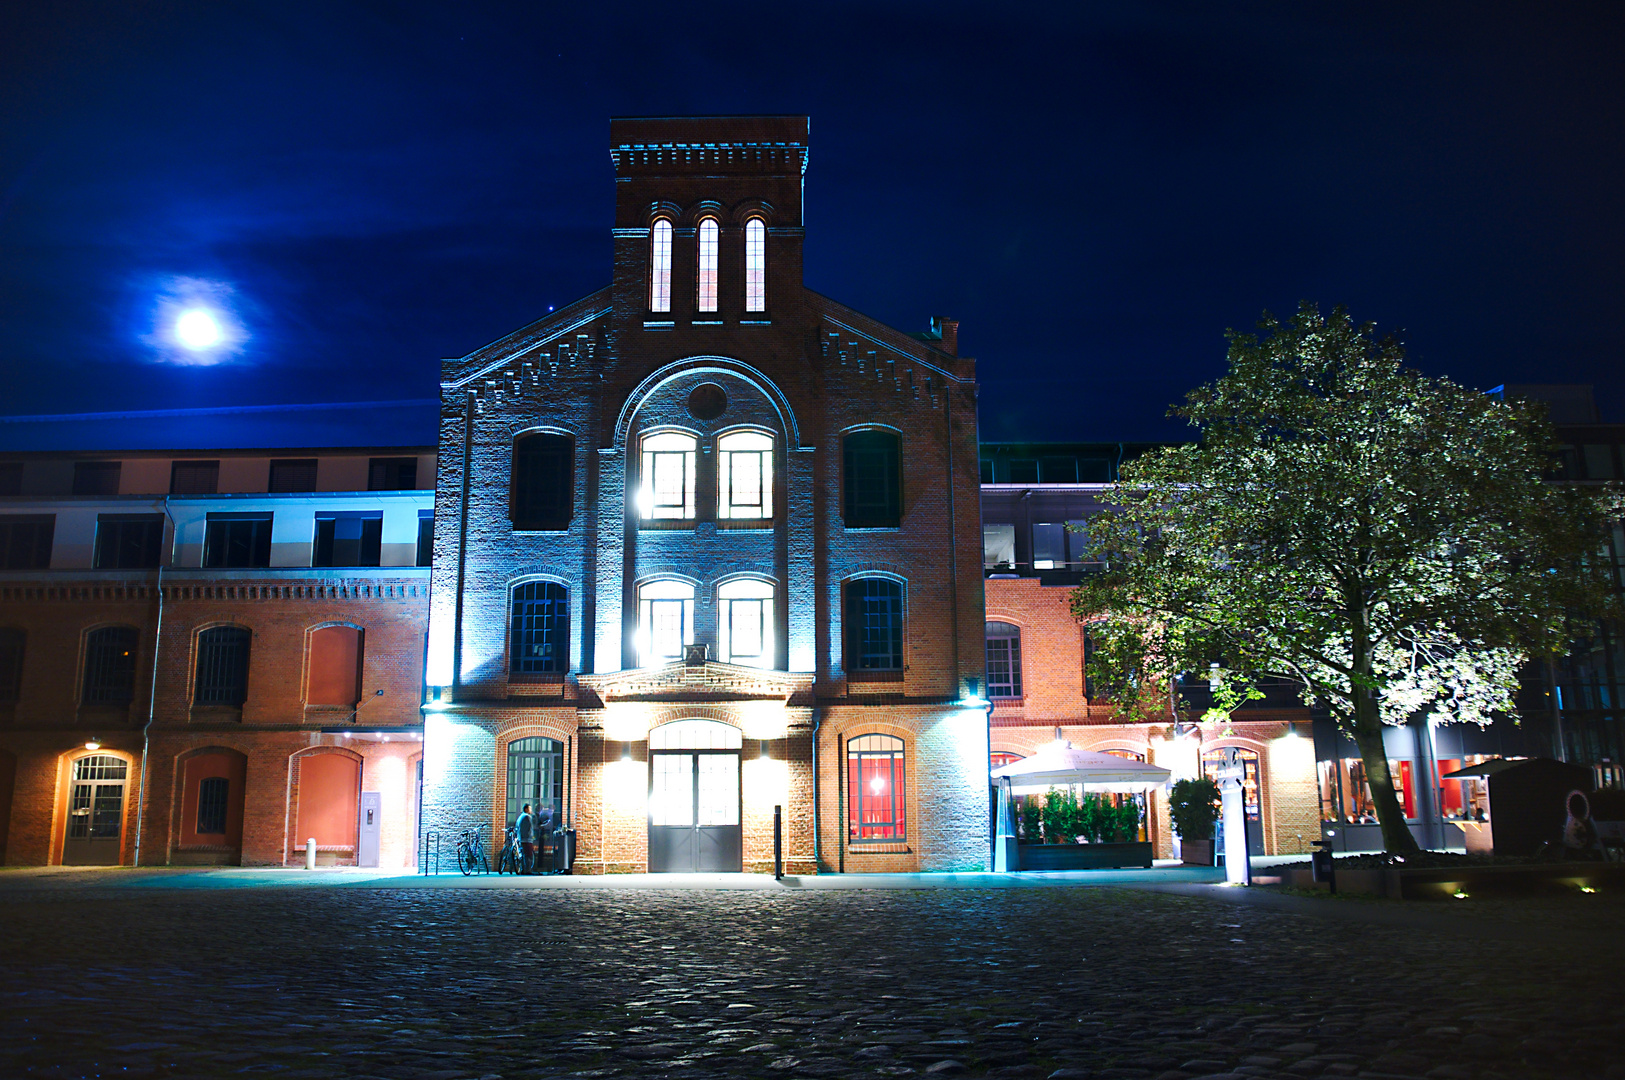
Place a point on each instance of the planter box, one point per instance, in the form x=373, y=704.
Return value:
x=1196, y=852
x=1433, y=883
x=1085, y=856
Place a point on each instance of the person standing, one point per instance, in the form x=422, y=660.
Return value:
x=527, y=840
x=544, y=835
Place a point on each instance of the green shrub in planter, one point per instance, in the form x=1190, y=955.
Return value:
x=1194, y=807
x=1031, y=816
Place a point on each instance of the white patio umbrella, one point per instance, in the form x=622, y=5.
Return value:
x=1060, y=764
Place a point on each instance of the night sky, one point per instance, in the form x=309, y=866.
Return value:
x=1096, y=193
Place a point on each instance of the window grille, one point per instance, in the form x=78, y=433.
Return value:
x=667, y=490
x=96, y=477
x=222, y=666
x=745, y=623
x=1003, y=660
x=12, y=642
x=660, y=266
x=540, y=629
x=708, y=265
x=110, y=666
x=194, y=477
x=349, y=539
x=293, y=474
x=129, y=541
x=876, y=795
x=237, y=540
x=392, y=474
x=542, y=495
x=755, y=265
x=536, y=776
x=873, y=495
x=665, y=620
x=25, y=541
x=874, y=613
x=745, y=475
x=211, y=805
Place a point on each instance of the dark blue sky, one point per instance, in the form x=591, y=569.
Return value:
x=1096, y=193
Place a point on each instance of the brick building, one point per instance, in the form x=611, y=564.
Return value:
x=707, y=546
x=208, y=657
x=1036, y=502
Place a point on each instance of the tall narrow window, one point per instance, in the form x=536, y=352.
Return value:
x=222, y=666
x=539, y=629
x=872, y=496
x=745, y=623
x=660, y=266
x=708, y=265
x=12, y=641
x=335, y=666
x=874, y=627
x=542, y=496
x=110, y=666
x=665, y=621
x=211, y=805
x=425, y=537
x=1003, y=660
x=876, y=803
x=745, y=475
x=666, y=489
x=755, y=265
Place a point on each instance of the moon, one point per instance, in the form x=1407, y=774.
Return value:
x=197, y=329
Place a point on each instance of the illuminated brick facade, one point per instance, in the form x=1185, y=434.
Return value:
x=699, y=337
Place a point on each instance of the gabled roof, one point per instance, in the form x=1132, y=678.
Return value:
x=565, y=322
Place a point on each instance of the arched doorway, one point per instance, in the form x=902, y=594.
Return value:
x=95, y=811
x=329, y=795
x=694, y=798
x=536, y=776
x=210, y=830
x=1252, y=793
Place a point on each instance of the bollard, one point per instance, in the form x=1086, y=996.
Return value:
x=310, y=854
x=778, y=843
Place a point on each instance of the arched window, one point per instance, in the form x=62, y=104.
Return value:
x=708, y=265
x=660, y=266
x=665, y=621
x=335, y=666
x=222, y=666
x=536, y=776
x=745, y=623
x=666, y=490
x=755, y=265
x=872, y=495
x=874, y=627
x=745, y=475
x=875, y=786
x=1003, y=660
x=539, y=629
x=110, y=666
x=542, y=496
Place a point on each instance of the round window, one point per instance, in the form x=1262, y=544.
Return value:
x=707, y=401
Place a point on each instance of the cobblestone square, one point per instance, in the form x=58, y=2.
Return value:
x=115, y=974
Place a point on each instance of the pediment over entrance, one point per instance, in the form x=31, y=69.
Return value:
x=710, y=681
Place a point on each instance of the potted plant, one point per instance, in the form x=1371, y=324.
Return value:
x=1194, y=807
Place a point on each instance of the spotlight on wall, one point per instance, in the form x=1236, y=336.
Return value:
x=626, y=751
x=762, y=753
x=93, y=743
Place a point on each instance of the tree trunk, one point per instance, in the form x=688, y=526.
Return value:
x=1396, y=835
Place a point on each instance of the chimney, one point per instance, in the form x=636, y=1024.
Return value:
x=947, y=330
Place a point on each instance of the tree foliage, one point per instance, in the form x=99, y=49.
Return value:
x=1385, y=539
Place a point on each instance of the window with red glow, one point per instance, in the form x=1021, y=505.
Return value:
x=998, y=759
x=875, y=803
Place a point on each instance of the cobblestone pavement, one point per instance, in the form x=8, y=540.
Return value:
x=99, y=979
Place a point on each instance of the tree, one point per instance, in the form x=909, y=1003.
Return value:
x=1386, y=540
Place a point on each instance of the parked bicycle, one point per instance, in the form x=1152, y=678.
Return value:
x=471, y=849
x=512, y=859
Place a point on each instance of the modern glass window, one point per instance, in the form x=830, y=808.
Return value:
x=998, y=547
x=874, y=626
x=539, y=629
x=1049, y=545
x=1003, y=660
x=875, y=789
x=871, y=479
x=755, y=265
x=392, y=474
x=707, y=298
x=96, y=477
x=194, y=477
x=12, y=643
x=128, y=541
x=745, y=475
x=222, y=666
x=334, y=674
x=542, y=495
x=348, y=539
x=1024, y=471
x=665, y=621
x=745, y=622
x=237, y=540
x=293, y=474
x=660, y=266
x=211, y=805
x=666, y=488
x=425, y=537
x=110, y=666
x=25, y=541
